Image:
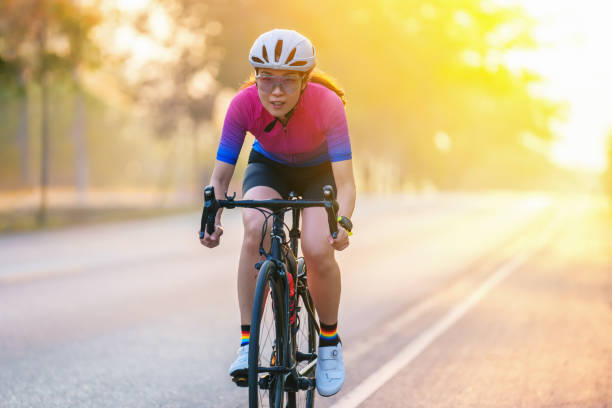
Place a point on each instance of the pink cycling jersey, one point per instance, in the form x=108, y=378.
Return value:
x=317, y=132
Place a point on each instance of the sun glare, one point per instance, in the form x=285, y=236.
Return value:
x=131, y=5
x=575, y=61
x=572, y=57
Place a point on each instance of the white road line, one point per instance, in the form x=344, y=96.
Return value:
x=377, y=379
x=392, y=327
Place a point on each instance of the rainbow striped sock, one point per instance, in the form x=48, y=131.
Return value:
x=246, y=334
x=328, y=335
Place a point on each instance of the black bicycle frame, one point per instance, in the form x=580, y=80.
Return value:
x=280, y=272
x=276, y=254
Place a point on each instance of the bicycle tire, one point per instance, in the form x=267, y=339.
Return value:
x=303, y=338
x=267, y=332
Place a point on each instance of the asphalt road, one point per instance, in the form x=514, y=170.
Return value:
x=451, y=300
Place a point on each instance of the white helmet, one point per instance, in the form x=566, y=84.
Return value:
x=282, y=49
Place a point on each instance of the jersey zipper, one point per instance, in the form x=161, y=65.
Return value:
x=287, y=140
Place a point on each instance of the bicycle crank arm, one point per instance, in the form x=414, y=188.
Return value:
x=306, y=383
x=299, y=356
x=283, y=370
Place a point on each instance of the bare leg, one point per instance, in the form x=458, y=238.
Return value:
x=323, y=271
x=249, y=254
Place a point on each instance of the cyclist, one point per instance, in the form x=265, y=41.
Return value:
x=301, y=144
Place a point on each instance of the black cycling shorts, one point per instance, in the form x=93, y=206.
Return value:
x=307, y=181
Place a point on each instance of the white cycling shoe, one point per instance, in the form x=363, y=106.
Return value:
x=330, y=370
x=239, y=368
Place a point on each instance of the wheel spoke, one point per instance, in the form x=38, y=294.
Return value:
x=267, y=339
x=305, y=343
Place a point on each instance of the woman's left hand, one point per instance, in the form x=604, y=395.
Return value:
x=342, y=240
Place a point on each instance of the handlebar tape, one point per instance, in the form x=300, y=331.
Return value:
x=331, y=205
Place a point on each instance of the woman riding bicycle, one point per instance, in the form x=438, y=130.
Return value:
x=302, y=144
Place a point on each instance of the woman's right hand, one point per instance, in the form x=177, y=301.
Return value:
x=212, y=240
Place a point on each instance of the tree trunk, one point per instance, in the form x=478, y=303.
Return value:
x=23, y=137
x=81, y=160
x=44, y=167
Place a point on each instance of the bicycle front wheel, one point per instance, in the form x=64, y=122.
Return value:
x=304, y=337
x=266, y=345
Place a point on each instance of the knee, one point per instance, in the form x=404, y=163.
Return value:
x=252, y=231
x=318, y=254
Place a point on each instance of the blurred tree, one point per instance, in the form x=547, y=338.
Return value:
x=76, y=21
x=429, y=96
x=177, y=86
x=412, y=70
x=15, y=33
x=24, y=30
x=40, y=39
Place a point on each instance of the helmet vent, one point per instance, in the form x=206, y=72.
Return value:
x=259, y=60
x=264, y=53
x=298, y=63
x=278, y=50
x=291, y=55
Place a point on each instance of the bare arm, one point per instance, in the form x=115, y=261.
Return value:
x=345, y=184
x=221, y=177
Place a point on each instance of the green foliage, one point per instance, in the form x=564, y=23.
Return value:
x=41, y=42
x=412, y=69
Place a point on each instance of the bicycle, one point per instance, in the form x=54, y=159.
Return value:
x=284, y=330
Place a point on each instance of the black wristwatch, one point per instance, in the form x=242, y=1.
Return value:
x=346, y=223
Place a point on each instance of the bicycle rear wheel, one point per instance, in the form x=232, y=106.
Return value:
x=304, y=340
x=266, y=345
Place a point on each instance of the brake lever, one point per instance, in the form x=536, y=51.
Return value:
x=209, y=212
x=331, y=206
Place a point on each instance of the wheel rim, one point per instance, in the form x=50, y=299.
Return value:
x=269, y=356
x=304, y=342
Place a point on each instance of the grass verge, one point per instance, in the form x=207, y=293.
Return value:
x=29, y=220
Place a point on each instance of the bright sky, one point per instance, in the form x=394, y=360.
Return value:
x=131, y=5
x=576, y=61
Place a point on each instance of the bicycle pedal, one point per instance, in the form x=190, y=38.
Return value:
x=241, y=380
x=306, y=384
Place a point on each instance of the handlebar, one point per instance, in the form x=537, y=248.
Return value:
x=212, y=206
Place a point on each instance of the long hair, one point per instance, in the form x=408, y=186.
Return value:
x=316, y=76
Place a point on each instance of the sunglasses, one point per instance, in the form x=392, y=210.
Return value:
x=287, y=84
